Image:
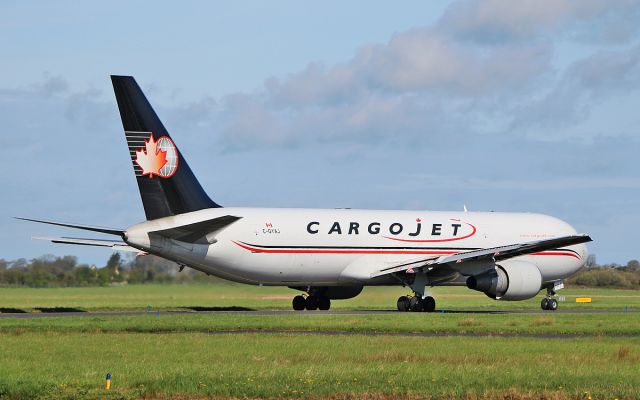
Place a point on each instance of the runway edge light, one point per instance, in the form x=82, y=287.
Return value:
x=108, y=385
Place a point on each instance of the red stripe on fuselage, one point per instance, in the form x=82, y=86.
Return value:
x=375, y=251
x=345, y=251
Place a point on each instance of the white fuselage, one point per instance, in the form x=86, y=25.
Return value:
x=329, y=247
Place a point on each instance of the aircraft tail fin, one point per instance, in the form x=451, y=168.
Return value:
x=167, y=185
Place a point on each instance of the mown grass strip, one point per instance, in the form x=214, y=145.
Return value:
x=551, y=324
x=187, y=297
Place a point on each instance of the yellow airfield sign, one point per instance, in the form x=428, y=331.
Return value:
x=583, y=299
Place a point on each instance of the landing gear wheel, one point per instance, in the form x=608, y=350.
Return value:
x=403, y=303
x=429, y=304
x=544, y=304
x=324, y=303
x=415, y=304
x=312, y=303
x=553, y=305
x=299, y=303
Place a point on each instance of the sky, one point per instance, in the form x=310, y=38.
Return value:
x=529, y=106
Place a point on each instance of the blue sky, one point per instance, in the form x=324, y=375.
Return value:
x=499, y=105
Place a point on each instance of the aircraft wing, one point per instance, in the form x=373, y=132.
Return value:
x=493, y=254
x=114, y=244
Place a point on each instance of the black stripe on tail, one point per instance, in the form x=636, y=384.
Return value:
x=167, y=185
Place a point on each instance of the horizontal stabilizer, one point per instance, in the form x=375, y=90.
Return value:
x=114, y=244
x=198, y=231
x=108, y=231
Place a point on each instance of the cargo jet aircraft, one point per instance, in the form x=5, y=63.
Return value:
x=332, y=253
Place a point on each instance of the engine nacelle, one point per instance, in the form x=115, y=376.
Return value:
x=510, y=280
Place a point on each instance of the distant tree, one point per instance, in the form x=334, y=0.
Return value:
x=85, y=275
x=115, y=261
x=114, y=268
x=19, y=263
x=633, y=266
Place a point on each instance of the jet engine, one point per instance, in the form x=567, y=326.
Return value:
x=510, y=280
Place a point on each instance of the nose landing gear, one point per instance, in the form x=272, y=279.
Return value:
x=549, y=303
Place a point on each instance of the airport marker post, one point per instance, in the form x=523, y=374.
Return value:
x=108, y=381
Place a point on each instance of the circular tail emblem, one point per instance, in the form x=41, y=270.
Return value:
x=158, y=157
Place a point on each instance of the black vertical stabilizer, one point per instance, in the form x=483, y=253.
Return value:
x=167, y=185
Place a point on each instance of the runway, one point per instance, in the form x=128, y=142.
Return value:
x=249, y=312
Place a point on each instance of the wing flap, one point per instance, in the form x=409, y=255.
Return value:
x=405, y=266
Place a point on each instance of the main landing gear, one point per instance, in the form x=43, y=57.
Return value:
x=420, y=301
x=416, y=303
x=311, y=302
x=549, y=303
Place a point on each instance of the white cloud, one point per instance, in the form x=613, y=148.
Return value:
x=502, y=20
x=434, y=84
x=584, y=84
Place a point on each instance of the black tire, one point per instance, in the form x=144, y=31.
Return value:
x=299, y=303
x=324, y=303
x=403, y=303
x=553, y=305
x=415, y=304
x=429, y=304
x=312, y=303
x=544, y=304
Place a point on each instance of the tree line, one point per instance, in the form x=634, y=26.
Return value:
x=51, y=271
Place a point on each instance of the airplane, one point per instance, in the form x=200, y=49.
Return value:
x=329, y=254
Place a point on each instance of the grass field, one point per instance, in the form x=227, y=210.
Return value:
x=289, y=365
x=176, y=297
x=309, y=355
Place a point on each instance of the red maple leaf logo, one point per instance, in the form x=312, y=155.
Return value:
x=151, y=158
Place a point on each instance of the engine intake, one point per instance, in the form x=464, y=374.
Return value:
x=511, y=280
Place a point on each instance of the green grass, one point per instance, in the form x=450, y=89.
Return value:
x=552, y=324
x=165, y=297
x=198, y=355
x=298, y=366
